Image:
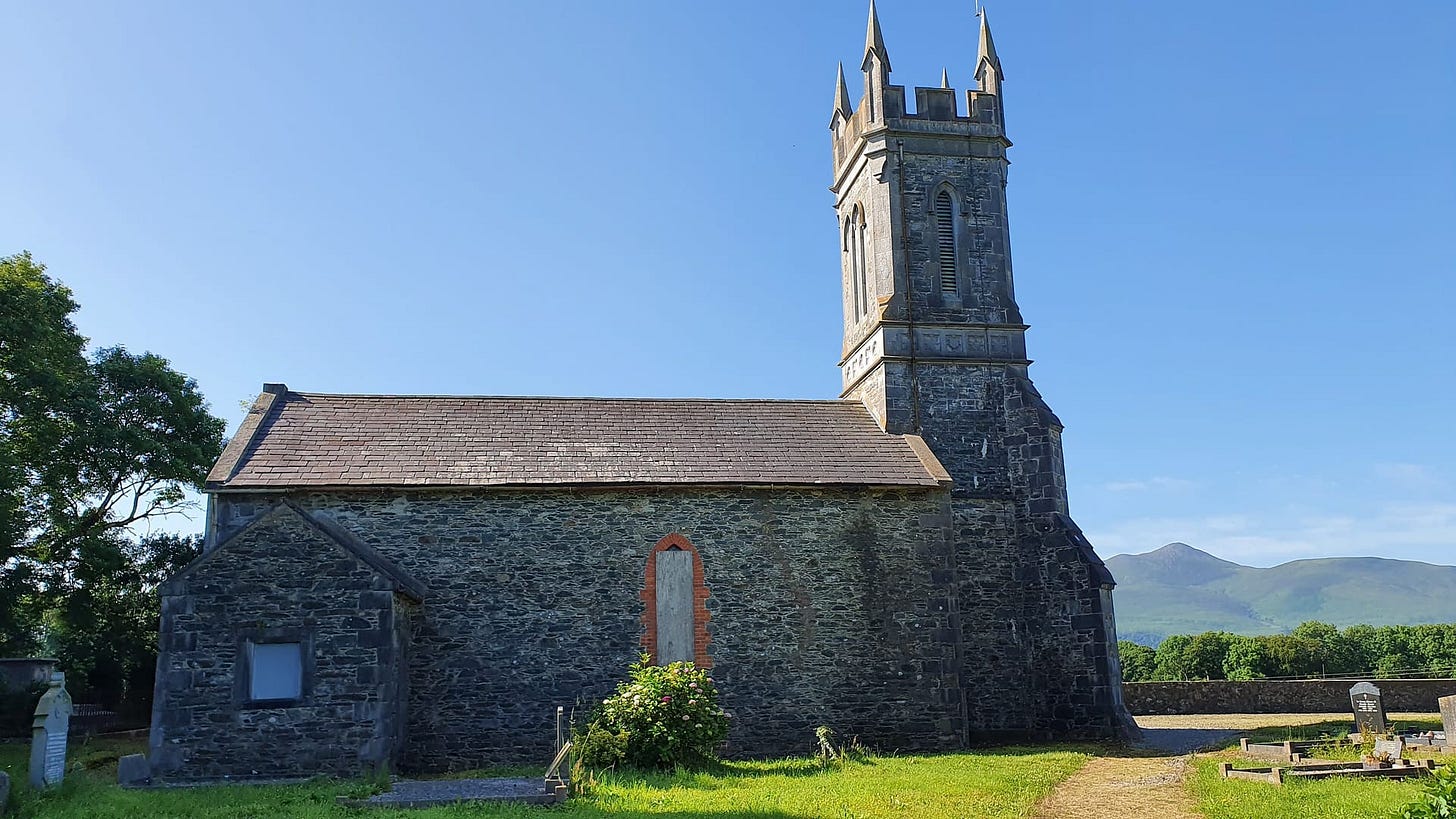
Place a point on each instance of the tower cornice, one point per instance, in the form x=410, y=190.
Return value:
x=880, y=141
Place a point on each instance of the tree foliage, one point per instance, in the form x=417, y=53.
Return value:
x=1313, y=649
x=92, y=448
x=1137, y=660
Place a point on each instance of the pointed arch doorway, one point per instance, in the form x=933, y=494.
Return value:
x=676, y=615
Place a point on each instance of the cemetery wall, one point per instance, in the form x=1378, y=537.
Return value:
x=1277, y=696
x=828, y=606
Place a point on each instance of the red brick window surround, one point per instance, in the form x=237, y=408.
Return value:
x=700, y=601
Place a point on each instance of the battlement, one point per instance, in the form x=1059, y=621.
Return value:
x=882, y=109
x=935, y=109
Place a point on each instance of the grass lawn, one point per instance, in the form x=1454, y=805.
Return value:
x=1334, y=798
x=1003, y=782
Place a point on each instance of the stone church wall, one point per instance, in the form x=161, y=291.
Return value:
x=1027, y=595
x=827, y=606
x=282, y=581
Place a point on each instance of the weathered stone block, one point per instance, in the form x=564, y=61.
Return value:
x=132, y=771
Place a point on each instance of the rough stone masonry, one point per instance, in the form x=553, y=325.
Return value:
x=418, y=581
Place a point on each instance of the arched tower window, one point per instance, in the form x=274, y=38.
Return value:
x=862, y=277
x=945, y=241
x=851, y=265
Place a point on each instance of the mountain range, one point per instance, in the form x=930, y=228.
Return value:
x=1178, y=589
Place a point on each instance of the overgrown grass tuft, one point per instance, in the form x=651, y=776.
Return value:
x=998, y=783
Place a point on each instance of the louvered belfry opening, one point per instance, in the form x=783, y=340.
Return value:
x=945, y=240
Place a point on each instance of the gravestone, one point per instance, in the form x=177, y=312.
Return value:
x=1368, y=707
x=48, y=734
x=1389, y=750
x=132, y=771
x=674, y=606
x=4, y=791
x=1448, y=718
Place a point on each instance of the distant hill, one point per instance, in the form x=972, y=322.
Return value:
x=1180, y=590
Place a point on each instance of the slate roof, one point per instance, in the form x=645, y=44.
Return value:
x=293, y=440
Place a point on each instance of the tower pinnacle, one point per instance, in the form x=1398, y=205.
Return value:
x=988, y=66
x=945, y=78
x=875, y=43
x=842, y=106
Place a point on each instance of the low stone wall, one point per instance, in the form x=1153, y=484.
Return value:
x=1277, y=696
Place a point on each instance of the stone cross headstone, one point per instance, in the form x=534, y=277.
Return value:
x=1368, y=707
x=1448, y=717
x=48, y=734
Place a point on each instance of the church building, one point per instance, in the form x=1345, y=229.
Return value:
x=419, y=581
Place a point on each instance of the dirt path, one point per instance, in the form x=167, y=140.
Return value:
x=1123, y=788
x=1146, y=782
x=1143, y=783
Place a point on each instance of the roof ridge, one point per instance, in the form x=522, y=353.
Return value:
x=678, y=399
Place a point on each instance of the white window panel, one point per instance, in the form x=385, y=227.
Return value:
x=277, y=671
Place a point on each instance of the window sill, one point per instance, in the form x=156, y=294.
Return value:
x=259, y=705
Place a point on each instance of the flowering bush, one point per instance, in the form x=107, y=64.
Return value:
x=660, y=717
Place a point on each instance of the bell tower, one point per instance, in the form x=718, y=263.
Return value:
x=935, y=345
x=926, y=256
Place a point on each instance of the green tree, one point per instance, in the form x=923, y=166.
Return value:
x=43, y=372
x=90, y=447
x=1435, y=648
x=1245, y=659
x=1396, y=653
x=1171, y=662
x=1137, y=661
x=1286, y=655
x=1204, y=655
x=143, y=437
x=1358, y=650
x=1323, y=640
x=105, y=631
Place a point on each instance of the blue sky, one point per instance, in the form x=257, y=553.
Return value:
x=1232, y=223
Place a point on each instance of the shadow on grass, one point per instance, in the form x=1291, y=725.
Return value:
x=1168, y=742
x=706, y=776
x=729, y=769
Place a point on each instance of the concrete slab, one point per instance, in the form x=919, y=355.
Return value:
x=426, y=793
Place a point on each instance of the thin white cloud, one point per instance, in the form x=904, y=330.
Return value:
x=1410, y=531
x=1160, y=483
x=1414, y=478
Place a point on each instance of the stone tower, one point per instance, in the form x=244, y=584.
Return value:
x=934, y=345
